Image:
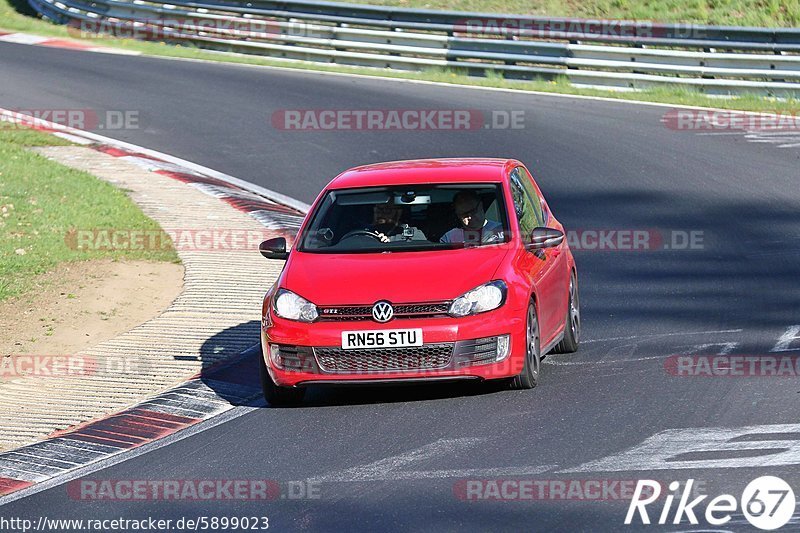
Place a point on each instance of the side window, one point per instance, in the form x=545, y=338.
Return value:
x=533, y=195
x=522, y=206
x=493, y=212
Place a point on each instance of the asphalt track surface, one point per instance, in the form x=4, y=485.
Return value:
x=390, y=458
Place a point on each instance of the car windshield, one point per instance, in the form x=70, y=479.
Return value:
x=407, y=218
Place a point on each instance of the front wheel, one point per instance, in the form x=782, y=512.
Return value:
x=529, y=377
x=276, y=395
x=572, y=324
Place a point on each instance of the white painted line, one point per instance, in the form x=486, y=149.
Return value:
x=692, y=349
x=699, y=448
x=772, y=133
x=785, y=341
x=775, y=140
x=24, y=38
x=653, y=335
x=115, y=51
x=511, y=471
x=151, y=165
x=548, y=361
x=719, y=133
x=378, y=470
x=725, y=348
x=72, y=138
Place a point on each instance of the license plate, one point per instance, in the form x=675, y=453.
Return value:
x=382, y=338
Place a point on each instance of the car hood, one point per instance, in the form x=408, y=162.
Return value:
x=342, y=279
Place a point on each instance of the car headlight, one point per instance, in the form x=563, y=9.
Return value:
x=480, y=299
x=287, y=304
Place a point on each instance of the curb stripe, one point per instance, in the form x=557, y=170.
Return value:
x=117, y=443
x=112, y=151
x=61, y=43
x=38, y=40
x=8, y=485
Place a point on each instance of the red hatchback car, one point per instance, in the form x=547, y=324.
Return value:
x=427, y=270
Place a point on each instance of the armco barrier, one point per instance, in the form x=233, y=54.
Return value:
x=634, y=54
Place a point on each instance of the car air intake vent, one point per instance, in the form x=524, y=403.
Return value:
x=477, y=351
x=297, y=358
x=427, y=357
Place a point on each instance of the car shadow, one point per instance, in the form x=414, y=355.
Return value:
x=230, y=363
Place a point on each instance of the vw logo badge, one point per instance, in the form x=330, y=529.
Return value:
x=382, y=311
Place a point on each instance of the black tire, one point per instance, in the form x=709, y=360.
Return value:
x=529, y=377
x=572, y=322
x=275, y=395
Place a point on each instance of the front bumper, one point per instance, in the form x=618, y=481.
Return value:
x=311, y=354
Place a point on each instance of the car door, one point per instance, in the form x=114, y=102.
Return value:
x=546, y=268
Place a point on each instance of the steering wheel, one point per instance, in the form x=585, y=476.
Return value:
x=361, y=233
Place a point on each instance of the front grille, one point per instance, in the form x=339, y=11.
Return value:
x=426, y=357
x=364, y=312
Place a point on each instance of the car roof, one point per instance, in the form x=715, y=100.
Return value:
x=424, y=171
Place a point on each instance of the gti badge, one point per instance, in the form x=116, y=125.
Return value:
x=382, y=311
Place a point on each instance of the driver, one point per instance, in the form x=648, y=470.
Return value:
x=474, y=226
x=386, y=225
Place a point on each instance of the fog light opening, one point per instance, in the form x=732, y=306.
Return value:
x=275, y=355
x=503, y=347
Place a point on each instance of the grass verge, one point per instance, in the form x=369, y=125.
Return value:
x=40, y=201
x=769, y=13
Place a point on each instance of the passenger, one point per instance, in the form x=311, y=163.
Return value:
x=475, y=228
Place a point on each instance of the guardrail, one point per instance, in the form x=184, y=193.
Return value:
x=633, y=55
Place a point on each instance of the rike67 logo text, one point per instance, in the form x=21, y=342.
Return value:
x=767, y=503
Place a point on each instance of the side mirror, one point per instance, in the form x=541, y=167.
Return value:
x=545, y=238
x=274, y=248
